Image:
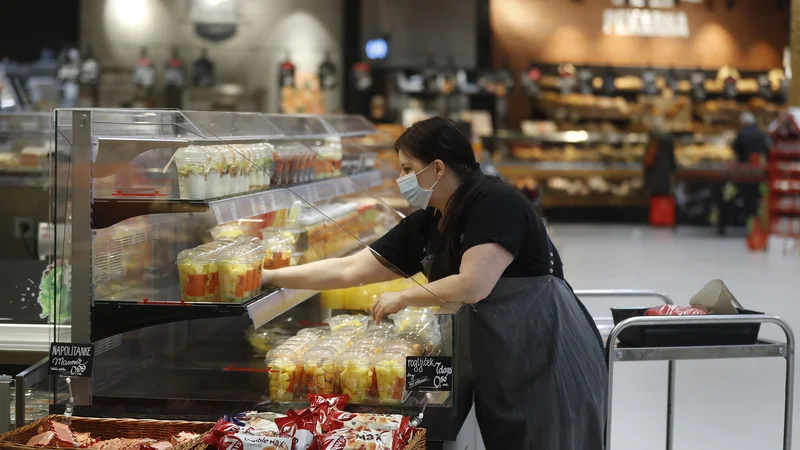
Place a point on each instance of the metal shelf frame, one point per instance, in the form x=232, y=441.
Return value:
x=761, y=349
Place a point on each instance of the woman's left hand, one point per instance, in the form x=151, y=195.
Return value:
x=387, y=303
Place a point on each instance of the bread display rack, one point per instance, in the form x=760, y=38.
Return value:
x=123, y=218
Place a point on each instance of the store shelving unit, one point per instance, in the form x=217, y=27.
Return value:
x=784, y=177
x=112, y=200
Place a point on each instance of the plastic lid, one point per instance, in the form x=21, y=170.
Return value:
x=348, y=321
x=236, y=254
x=360, y=357
x=227, y=230
x=191, y=155
x=216, y=156
x=282, y=353
x=336, y=343
x=320, y=354
x=190, y=254
x=277, y=243
x=315, y=332
x=392, y=356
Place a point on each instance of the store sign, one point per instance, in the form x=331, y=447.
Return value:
x=71, y=360
x=429, y=373
x=649, y=18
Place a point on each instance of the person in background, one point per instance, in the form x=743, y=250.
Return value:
x=750, y=146
x=659, y=160
x=750, y=140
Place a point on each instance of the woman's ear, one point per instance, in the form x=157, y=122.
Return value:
x=439, y=167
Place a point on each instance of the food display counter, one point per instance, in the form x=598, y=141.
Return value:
x=177, y=212
x=26, y=145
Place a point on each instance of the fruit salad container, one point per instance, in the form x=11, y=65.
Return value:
x=285, y=374
x=356, y=374
x=234, y=265
x=278, y=248
x=390, y=374
x=319, y=370
x=193, y=273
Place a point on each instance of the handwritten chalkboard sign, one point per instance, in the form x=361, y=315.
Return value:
x=71, y=360
x=429, y=373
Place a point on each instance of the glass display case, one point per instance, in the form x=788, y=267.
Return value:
x=164, y=220
x=26, y=155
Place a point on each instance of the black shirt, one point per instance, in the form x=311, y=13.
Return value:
x=499, y=214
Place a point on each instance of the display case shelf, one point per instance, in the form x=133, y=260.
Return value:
x=107, y=211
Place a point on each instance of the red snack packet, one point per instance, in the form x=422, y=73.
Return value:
x=328, y=400
x=64, y=435
x=226, y=435
x=301, y=426
x=374, y=422
x=358, y=440
x=42, y=439
x=675, y=310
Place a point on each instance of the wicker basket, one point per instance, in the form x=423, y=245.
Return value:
x=418, y=441
x=112, y=428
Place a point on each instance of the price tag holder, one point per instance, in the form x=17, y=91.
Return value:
x=429, y=373
x=71, y=360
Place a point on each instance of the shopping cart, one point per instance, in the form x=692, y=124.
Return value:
x=761, y=349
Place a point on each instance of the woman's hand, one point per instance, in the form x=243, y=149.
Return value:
x=387, y=303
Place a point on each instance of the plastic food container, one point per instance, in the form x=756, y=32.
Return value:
x=221, y=153
x=348, y=321
x=255, y=258
x=234, y=168
x=319, y=369
x=192, y=163
x=256, y=166
x=335, y=342
x=285, y=374
x=390, y=374
x=410, y=345
x=208, y=260
x=193, y=274
x=234, y=265
x=278, y=249
x=267, y=338
x=268, y=163
x=216, y=167
x=355, y=373
x=317, y=332
x=227, y=231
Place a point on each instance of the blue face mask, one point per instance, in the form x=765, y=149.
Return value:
x=417, y=196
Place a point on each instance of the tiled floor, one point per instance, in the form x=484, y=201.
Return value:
x=729, y=404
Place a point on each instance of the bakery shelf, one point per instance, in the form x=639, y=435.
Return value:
x=550, y=201
x=571, y=137
x=108, y=211
x=544, y=170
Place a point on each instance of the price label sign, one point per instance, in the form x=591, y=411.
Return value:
x=429, y=373
x=71, y=360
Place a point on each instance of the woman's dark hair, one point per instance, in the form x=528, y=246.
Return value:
x=438, y=138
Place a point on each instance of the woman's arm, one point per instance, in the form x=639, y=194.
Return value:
x=481, y=267
x=334, y=273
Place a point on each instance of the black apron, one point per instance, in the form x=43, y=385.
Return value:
x=539, y=372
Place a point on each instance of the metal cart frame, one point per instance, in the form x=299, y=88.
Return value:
x=761, y=349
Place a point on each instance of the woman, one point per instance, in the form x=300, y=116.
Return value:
x=538, y=366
